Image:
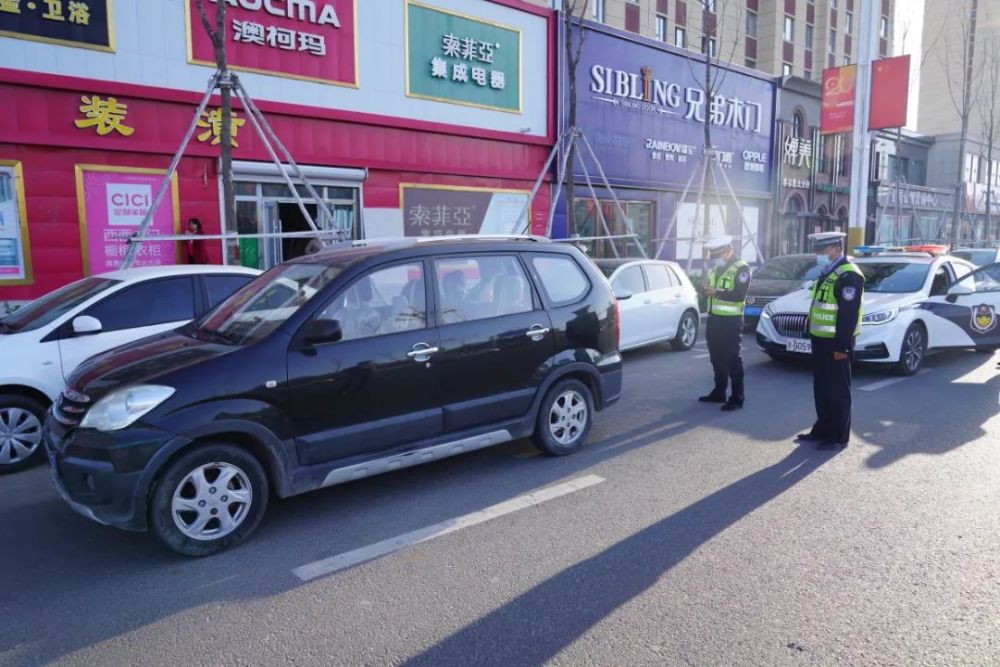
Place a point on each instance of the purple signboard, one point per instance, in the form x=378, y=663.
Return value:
x=643, y=108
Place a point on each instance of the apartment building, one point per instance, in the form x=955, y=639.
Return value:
x=779, y=37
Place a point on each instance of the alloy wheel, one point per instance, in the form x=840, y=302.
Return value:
x=689, y=331
x=568, y=417
x=211, y=501
x=914, y=353
x=20, y=435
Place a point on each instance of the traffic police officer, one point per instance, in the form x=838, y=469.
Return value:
x=834, y=322
x=728, y=282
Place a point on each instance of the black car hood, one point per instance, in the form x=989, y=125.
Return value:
x=142, y=361
x=771, y=287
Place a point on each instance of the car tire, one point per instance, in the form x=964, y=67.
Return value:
x=564, y=418
x=913, y=350
x=687, y=332
x=189, y=503
x=21, y=419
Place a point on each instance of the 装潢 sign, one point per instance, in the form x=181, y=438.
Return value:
x=112, y=202
x=643, y=110
x=315, y=40
x=15, y=251
x=837, y=105
x=84, y=23
x=462, y=59
x=445, y=210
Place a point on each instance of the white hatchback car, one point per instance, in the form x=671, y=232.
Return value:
x=657, y=300
x=42, y=342
x=901, y=323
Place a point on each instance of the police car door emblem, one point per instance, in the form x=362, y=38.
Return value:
x=984, y=318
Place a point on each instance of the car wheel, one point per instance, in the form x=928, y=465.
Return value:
x=912, y=351
x=565, y=418
x=687, y=332
x=209, y=500
x=20, y=432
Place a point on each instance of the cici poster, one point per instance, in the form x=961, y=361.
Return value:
x=315, y=40
x=112, y=202
x=837, y=105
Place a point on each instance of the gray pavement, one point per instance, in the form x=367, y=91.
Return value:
x=712, y=540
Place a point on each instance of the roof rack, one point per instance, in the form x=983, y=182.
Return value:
x=487, y=237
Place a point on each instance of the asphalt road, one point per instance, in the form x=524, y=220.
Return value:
x=696, y=537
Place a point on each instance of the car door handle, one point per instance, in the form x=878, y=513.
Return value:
x=422, y=351
x=536, y=332
x=648, y=301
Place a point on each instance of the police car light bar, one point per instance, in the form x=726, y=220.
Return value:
x=932, y=249
x=869, y=250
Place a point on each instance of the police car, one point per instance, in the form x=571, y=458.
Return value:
x=916, y=300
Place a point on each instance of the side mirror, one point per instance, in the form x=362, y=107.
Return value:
x=85, y=325
x=623, y=294
x=321, y=332
x=959, y=289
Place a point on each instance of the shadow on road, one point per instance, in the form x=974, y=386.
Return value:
x=546, y=619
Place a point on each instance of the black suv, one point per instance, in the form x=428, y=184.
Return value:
x=358, y=360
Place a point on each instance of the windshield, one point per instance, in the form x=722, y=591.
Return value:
x=977, y=257
x=788, y=268
x=894, y=277
x=54, y=305
x=263, y=305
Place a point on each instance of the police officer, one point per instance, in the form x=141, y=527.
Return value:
x=728, y=282
x=834, y=322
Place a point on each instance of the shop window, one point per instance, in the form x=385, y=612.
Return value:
x=638, y=221
x=798, y=124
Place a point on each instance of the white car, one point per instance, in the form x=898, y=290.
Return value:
x=657, y=300
x=978, y=256
x=42, y=342
x=910, y=306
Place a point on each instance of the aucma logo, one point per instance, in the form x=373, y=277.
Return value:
x=984, y=318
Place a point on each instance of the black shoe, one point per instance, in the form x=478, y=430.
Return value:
x=713, y=398
x=730, y=406
x=808, y=437
x=829, y=445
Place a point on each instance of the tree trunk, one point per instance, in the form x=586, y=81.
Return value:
x=226, y=131
x=571, y=61
x=970, y=52
x=989, y=186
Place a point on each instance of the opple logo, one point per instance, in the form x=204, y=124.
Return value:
x=128, y=203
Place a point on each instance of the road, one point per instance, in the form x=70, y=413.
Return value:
x=680, y=536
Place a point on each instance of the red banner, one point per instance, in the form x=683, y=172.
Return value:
x=837, y=106
x=890, y=91
x=314, y=40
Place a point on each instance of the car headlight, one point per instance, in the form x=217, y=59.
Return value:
x=123, y=407
x=767, y=312
x=880, y=317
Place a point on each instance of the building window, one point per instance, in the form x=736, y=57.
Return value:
x=809, y=37
x=751, y=63
x=847, y=60
x=789, y=32
x=808, y=74
x=833, y=41
x=751, y=24
x=661, y=28
x=798, y=124
x=833, y=4
x=710, y=48
x=597, y=10
x=883, y=28
x=786, y=69
x=849, y=26
x=680, y=37
x=710, y=6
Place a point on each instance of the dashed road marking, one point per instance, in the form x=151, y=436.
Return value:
x=702, y=356
x=882, y=384
x=326, y=566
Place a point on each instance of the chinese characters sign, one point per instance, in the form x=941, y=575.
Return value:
x=112, y=203
x=104, y=115
x=461, y=59
x=304, y=39
x=444, y=211
x=15, y=254
x=85, y=23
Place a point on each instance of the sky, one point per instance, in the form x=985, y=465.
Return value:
x=909, y=30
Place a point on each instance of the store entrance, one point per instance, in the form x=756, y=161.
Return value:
x=290, y=219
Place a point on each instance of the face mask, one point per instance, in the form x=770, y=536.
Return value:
x=823, y=260
x=719, y=262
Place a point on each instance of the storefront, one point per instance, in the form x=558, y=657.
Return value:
x=422, y=118
x=642, y=108
x=909, y=214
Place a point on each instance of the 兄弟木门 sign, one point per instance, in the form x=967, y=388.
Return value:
x=462, y=59
x=313, y=40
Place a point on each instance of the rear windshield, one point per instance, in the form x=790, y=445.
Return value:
x=788, y=268
x=54, y=305
x=977, y=257
x=894, y=277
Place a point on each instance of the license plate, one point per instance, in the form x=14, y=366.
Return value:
x=753, y=311
x=801, y=346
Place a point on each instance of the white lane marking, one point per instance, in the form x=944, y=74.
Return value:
x=702, y=356
x=882, y=384
x=326, y=566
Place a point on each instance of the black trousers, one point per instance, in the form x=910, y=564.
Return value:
x=832, y=392
x=725, y=339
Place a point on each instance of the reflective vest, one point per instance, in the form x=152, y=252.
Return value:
x=725, y=283
x=823, y=312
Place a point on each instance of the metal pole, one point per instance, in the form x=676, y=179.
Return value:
x=706, y=159
x=673, y=218
x=614, y=196
x=597, y=202
x=560, y=178
x=861, y=149
x=739, y=207
x=137, y=238
x=899, y=138
x=525, y=216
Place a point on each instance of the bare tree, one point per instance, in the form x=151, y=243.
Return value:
x=217, y=35
x=988, y=105
x=961, y=75
x=573, y=12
